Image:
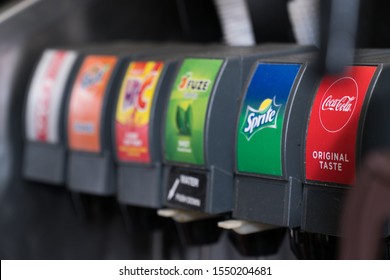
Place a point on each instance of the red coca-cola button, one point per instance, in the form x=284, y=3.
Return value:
x=331, y=140
x=338, y=104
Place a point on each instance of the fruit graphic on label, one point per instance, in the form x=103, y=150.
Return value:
x=265, y=105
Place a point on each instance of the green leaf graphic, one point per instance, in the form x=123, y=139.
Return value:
x=188, y=120
x=180, y=119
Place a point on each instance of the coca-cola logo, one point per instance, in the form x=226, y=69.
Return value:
x=338, y=104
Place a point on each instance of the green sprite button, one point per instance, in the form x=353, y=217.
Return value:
x=259, y=135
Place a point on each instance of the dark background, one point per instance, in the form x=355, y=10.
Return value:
x=45, y=222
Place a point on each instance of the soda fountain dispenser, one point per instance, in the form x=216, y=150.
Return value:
x=337, y=136
x=199, y=129
x=269, y=136
x=45, y=145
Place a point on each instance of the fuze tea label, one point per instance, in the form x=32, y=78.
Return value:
x=260, y=128
x=133, y=111
x=86, y=103
x=186, y=115
x=333, y=126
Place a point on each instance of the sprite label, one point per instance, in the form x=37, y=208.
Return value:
x=260, y=128
x=186, y=114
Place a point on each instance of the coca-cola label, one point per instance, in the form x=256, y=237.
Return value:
x=339, y=100
x=334, y=120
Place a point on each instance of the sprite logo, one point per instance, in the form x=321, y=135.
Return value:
x=256, y=120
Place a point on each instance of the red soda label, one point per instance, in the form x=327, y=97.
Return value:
x=334, y=120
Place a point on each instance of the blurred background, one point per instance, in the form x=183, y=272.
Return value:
x=38, y=221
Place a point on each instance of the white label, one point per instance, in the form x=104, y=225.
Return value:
x=46, y=94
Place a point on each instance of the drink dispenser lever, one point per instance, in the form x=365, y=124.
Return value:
x=339, y=20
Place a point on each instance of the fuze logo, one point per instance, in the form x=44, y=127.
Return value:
x=93, y=75
x=265, y=116
x=187, y=83
x=338, y=104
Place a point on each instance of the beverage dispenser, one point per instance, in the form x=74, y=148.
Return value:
x=338, y=135
x=90, y=165
x=199, y=135
x=45, y=145
x=269, y=138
